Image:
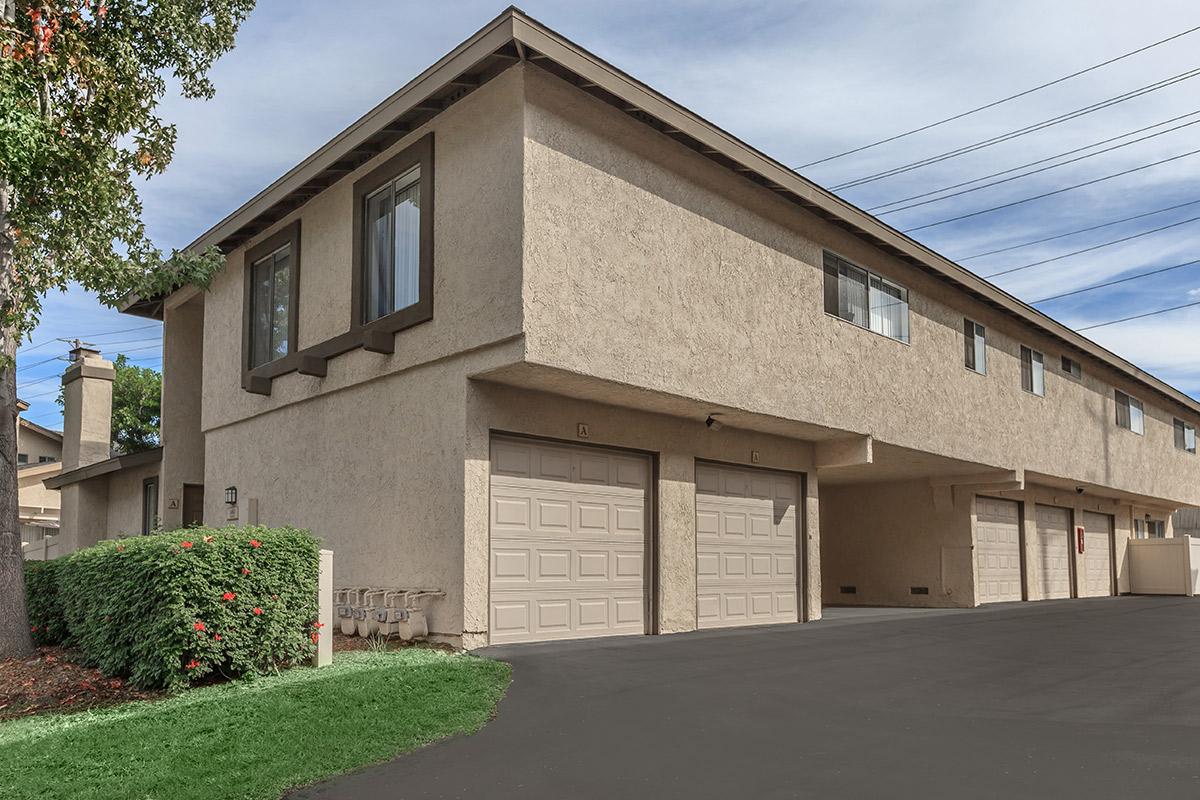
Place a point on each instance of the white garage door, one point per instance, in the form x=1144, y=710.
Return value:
x=1054, y=552
x=746, y=557
x=998, y=549
x=1097, y=555
x=567, y=541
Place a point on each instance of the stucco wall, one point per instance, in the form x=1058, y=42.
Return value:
x=124, y=517
x=370, y=458
x=182, y=438
x=477, y=252
x=885, y=538
x=647, y=264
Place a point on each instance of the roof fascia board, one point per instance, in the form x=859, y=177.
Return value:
x=104, y=468
x=461, y=59
x=574, y=58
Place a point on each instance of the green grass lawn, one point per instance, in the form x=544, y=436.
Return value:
x=252, y=739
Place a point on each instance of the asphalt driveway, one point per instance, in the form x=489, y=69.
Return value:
x=1086, y=698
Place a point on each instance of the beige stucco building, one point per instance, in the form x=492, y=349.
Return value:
x=39, y=453
x=532, y=334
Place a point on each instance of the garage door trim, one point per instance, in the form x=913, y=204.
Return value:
x=1020, y=540
x=802, y=523
x=650, y=542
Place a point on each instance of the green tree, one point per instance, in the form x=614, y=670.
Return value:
x=136, y=407
x=80, y=83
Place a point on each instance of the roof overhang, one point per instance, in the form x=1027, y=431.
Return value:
x=514, y=37
x=44, y=431
x=105, y=467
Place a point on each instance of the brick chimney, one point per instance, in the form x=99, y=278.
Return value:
x=87, y=408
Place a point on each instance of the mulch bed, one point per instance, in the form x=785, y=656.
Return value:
x=350, y=644
x=52, y=681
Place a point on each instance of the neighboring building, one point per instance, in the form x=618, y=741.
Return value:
x=39, y=451
x=1187, y=522
x=104, y=496
x=533, y=334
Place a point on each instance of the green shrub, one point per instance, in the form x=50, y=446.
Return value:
x=173, y=608
x=46, y=618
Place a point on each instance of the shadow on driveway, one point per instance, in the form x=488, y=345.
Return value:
x=1073, y=698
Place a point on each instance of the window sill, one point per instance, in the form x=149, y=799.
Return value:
x=377, y=336
x=853, y=324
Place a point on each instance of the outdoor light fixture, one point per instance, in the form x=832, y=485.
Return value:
x=231, y=496
x=713, y=423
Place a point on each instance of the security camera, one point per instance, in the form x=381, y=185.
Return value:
x=713, y=423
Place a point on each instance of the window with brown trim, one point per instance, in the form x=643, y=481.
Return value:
x=271, y=300
x=393, y=242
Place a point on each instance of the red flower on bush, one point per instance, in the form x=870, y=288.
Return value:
x=245, y=571
x=257, y=611
x=315, y=637
x=228, y=596
x=199, y=625
x=193, y=664
x=33, y=628
x=255, y=543
x=217, y=637
x=186, y=545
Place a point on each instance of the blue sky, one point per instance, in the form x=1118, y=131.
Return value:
x=798, y=80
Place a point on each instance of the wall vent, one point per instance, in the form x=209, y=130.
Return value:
x=919, y=590
x=849, y=590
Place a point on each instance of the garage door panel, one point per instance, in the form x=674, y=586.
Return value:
x=1054, y=552
x=745, y=546
x=567, y=530
x=1097, y=558
x=998, y=550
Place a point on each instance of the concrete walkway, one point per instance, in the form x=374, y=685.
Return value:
x=1084, y=698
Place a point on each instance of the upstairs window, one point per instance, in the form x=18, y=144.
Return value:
x=22, y=458
x=1130, y=415
x=865, y=299
x=272, y=299
x=1185, y=436
x=1033, y=371
x=270, y=304
x=975, y=346
x=1071, y=367
x=393, y=241
x=393, y=246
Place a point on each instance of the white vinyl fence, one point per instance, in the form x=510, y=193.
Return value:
x=1165, y=566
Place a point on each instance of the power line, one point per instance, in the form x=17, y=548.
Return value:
x=90, y=336
x=995, y=103
x=1137, y=316
x=1077, y=231
x=1050, y=194
x=1004, y=137
x=1138, y=276
x=1034, y=163
x=1090, y=249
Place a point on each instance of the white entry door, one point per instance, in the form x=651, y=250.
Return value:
x=1054, y=552
x=997, y=550
x=568, y=529
x=1097, y=555
x=746, y=546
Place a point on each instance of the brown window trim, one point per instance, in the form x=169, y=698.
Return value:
x=377, y=336
x=255, y=379
x=418, y=153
